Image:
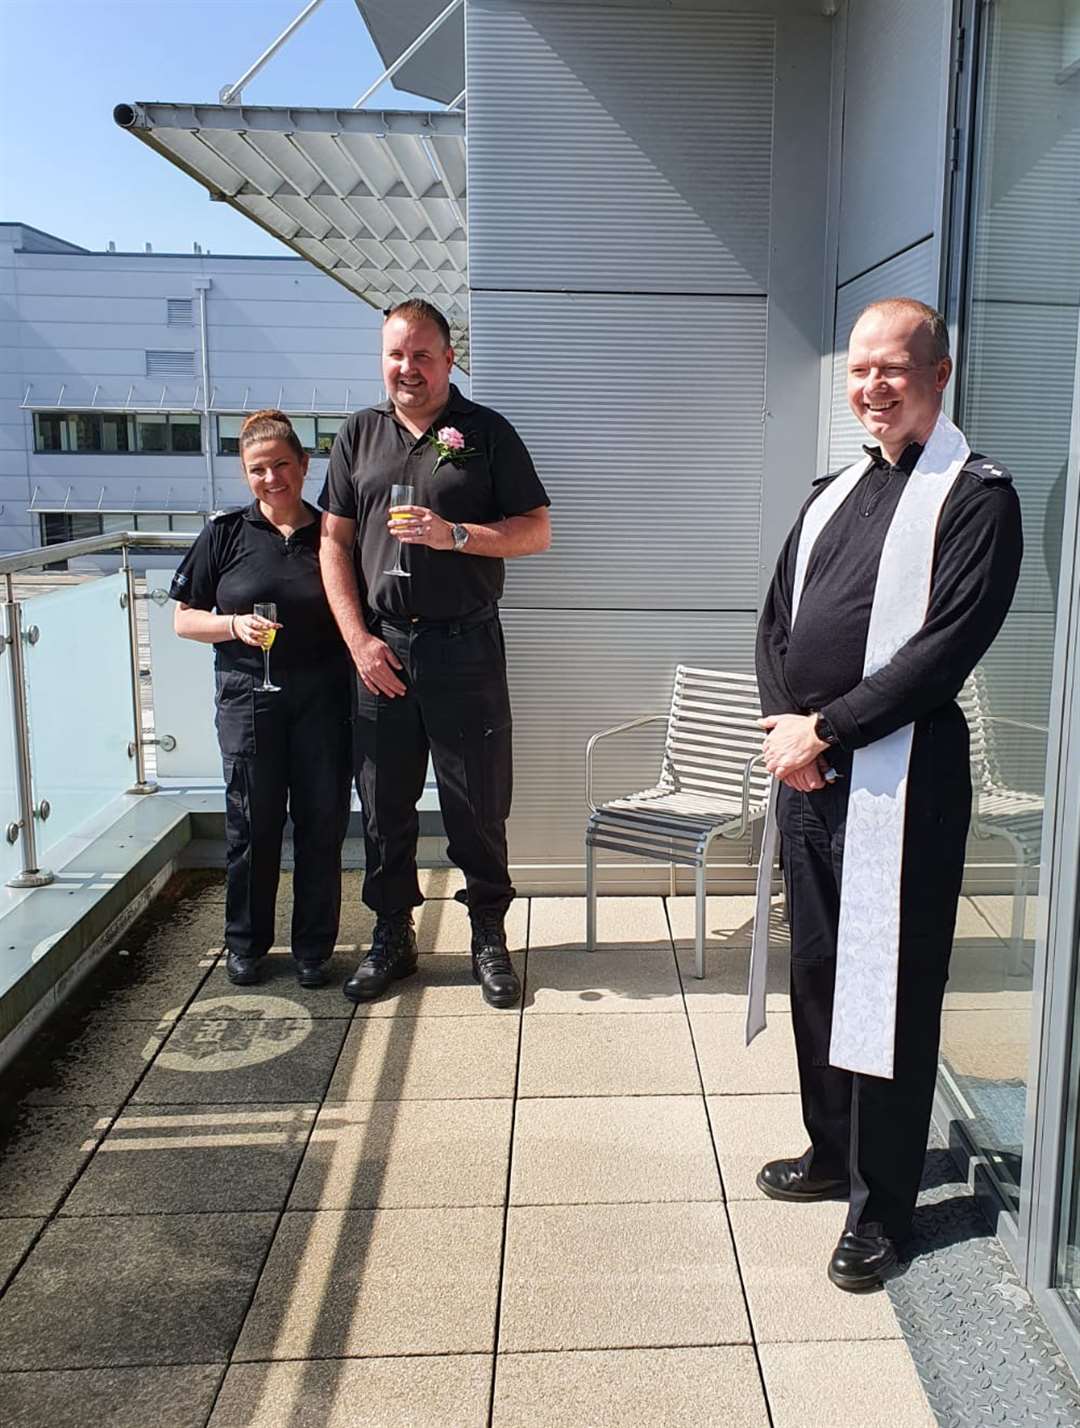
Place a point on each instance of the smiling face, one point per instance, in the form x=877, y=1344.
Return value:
x=416, y=368
x=894, y=383
x=275, y=474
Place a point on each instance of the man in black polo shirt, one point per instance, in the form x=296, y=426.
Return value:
x=428, y=646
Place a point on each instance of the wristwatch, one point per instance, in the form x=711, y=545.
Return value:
x=460, y=535
x=825, y=731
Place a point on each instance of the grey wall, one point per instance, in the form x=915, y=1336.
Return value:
x=647, y=215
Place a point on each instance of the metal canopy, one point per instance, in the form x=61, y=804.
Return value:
x=437, y=71
x=375, y=199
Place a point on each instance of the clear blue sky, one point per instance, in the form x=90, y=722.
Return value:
x=66, y=167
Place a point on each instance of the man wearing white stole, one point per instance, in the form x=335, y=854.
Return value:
x=891, y=586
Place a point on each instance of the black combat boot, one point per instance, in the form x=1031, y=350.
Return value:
x=491, y=965
x=392, y=956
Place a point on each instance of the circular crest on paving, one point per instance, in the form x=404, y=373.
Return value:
x=212, y=1037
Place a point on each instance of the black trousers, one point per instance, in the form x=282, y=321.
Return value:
x=285, y=750
x=871, y=1129
x=457, y=706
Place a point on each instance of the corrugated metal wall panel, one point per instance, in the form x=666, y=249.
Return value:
x=911, y=274
x=654, y=466
x=632, y=148
x=894, y=122
x=575, y=673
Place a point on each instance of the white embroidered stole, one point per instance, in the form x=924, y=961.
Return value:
x=864, y=1001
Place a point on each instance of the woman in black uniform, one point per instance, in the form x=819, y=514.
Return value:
x=288, y=747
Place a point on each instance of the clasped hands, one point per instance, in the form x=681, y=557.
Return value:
x=792, y=750
x=416, y=525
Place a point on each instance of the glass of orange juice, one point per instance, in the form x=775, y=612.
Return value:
x=399, y=496
x=267, y=611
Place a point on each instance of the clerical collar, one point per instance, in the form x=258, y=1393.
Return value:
x=908, y=457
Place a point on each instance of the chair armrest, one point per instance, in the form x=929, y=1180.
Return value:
x=744, y=823
x=607, y=734
x=1015, y=723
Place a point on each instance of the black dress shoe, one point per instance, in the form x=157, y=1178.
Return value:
x=392, y=956
x=861, y=1262
x=787, y=1180
x=491, y=965
x=311, y=974
x=243, y=971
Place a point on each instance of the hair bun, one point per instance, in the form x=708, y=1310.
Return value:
x=270, y=414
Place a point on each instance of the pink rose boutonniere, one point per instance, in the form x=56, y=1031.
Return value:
x=450, y=444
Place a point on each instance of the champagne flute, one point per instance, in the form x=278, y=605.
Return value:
x=267, y=611
x=399, y=496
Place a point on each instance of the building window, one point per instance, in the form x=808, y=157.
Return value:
x=119, y=432
x=316, y=433
x=60, y=526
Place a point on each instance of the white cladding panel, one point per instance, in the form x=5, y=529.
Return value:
x=632, y=148
x=894, y=127
x=912, y=274
x=654, y=467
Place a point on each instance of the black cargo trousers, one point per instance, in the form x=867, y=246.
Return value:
x=289, y=750
x=456, y=705
x=871, y=1128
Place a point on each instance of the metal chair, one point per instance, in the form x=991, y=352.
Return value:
x=712, y=784
x=997, y=809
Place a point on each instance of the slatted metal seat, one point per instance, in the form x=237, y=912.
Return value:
x=998, y=810
x=712, y=784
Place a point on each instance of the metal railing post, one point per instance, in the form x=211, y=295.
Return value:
x=31, y=876
x=141, y=784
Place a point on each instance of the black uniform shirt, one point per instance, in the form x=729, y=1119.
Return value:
x=373, y=451
x=819, y=666
x=240, y=559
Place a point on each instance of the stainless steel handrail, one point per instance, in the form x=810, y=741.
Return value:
x=116, y=542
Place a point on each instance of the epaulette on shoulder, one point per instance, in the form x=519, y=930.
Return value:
x=990, y=473
x=223, y=517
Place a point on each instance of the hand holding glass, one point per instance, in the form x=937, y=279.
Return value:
x=267, y=611
x=399, y=496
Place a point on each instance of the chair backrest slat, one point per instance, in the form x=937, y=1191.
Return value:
x=712, y=733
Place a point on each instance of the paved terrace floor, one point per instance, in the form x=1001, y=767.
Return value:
x=256, y=1207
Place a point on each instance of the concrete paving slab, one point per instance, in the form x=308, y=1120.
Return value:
x=16, y=1237
x=441, y=882
x=991, y=1045
x=192, y=1159
x=450, y=1391
x=729, y=1067
x=364, y=1154
x=613, y=1388
x=729, y=921
x=442, y=925
x=628, y=980
x=748, y=1131
x=872, y=1384
x=619, y=1276
x=441, y=1058
x=727, y=976
x=278, y=994
x=146, y=983
x=180, y=1397
x=613, y=1149
x=370, y=1283
x=158, y=1289
x=214, y=1061
x=997, y=910
x=442, y=986
x=981, y=977
x=784, y=1253
x=645, y=1055
x=92, y=1062
x=42, y=1150
x=620, y=922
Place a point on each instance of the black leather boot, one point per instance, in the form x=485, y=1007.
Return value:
x=861, y=1262
x=491, y=965
x=392, y=956
x=788, y=1180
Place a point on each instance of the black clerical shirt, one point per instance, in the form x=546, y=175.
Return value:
x=819, y=665
x=373, y=451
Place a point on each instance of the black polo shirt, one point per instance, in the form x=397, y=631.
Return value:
x=373, y=452
x=239, y=560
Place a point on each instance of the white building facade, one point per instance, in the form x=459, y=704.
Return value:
x=126, y=377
